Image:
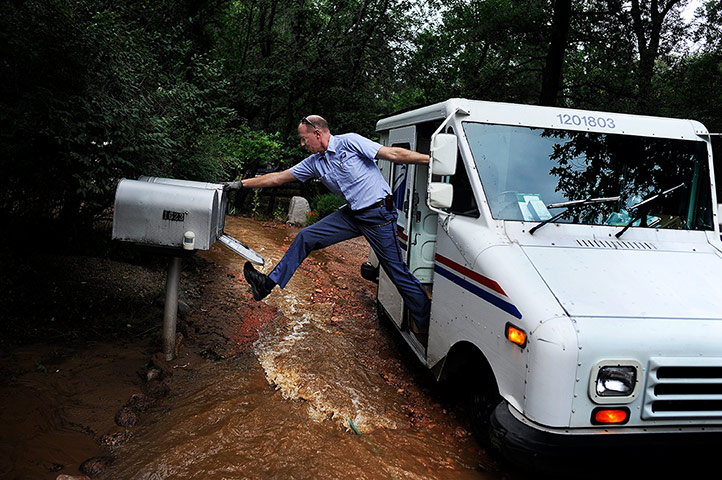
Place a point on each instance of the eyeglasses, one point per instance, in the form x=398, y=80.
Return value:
x=309, y=122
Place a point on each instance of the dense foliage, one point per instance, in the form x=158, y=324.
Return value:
x=94, y=90
x=324, y=205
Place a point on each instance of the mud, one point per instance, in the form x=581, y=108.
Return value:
x=60, y=404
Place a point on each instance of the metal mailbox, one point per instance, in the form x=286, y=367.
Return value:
x=164, y=215
x=174, y=214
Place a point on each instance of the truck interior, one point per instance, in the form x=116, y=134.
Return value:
x=417, y=224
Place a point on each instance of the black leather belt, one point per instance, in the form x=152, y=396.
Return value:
x=388, y=201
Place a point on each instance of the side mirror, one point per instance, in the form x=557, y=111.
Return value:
x=441, y=194
x=443, y=154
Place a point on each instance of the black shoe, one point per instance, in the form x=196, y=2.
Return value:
x=257, y=281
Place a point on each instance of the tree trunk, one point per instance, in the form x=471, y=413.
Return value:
x=552, y=73
x=649, y=37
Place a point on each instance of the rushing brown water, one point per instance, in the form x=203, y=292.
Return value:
x=307, y=400
x=230, y=423
x=288, y=408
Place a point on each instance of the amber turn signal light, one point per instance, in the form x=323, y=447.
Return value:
x=515, y=335
x=610, y=416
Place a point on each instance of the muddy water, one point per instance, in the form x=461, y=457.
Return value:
x=56, y=404
x=288, y=408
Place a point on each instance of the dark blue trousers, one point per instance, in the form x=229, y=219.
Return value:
x=378, y=225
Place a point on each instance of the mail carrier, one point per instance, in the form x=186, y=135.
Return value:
x=575, y=268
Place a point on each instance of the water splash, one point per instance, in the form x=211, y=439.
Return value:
x=311, y=360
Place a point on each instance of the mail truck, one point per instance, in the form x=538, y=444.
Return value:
x=574, y=266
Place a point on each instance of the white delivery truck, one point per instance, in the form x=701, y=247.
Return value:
x=575, y=268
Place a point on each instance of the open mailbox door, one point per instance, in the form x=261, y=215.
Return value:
x=241, y=249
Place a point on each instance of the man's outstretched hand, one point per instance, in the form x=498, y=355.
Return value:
x=232, y=185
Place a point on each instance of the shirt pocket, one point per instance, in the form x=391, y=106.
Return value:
x=353, y=169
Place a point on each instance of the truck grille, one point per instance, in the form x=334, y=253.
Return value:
x=683, y=388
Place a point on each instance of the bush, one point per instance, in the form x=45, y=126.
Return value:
x=323, y=205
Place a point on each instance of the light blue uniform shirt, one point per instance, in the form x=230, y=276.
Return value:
x=348, y=168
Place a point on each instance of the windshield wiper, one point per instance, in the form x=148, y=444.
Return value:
x=643, y=211
x=568, y=205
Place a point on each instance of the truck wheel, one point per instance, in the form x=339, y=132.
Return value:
x=482, y=399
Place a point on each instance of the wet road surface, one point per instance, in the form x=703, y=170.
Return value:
x=287, y=407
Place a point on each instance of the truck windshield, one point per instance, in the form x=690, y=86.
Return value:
x=523, y=170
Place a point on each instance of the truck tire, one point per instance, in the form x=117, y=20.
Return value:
x=481, y=399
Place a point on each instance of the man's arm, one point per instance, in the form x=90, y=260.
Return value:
x=401, y=155
x=273, y=179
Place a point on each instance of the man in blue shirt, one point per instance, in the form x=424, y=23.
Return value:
x=346, y=165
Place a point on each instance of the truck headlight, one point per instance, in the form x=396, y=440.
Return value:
x=615, y=381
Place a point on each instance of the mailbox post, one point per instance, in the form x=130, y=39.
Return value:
x=176, y=218
x=170, y=309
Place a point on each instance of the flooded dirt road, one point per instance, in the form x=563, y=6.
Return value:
x=289, y=405
x=306, y=384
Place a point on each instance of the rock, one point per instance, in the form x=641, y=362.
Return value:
x=212, y=354
x=158, y=361
x=52, y=466
x=96, y=465
x=178, y=343
x=153, y=374
x=126, y=418
x=140, y=402
x=114, y=440
x=156, y=389
x=183, y=309
x=297, y=211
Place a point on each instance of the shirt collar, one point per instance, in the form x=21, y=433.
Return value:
x=331, y=144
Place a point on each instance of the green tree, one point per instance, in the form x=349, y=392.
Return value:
x=93, y=91
x=692, y=85
x=332, y=57
x=604, y=54
x=488, y=50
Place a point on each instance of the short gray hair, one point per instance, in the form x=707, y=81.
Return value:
x=317, y=121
